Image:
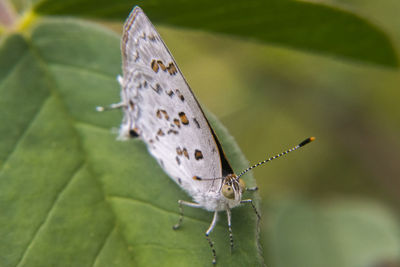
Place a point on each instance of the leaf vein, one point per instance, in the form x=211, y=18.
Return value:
x=103, y=245
x=22, y=136
x=81, y=69
x=49, y=213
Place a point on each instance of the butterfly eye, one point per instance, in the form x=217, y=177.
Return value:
x=228, y=192
x=242, y=185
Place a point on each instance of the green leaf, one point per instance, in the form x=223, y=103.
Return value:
x=347, y=233
x=295, y=24
x=70, y=194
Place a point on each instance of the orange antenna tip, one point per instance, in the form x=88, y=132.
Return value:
x=305, y=142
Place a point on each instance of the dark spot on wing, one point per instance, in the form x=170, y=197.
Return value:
x=152, y=38
x=166, y=116
x=171, y=131
x=179, y=94
x=171, y=69
x=133, y=133
x=185, y=153
x=131, y=104
x=154, y=65
x=198, y=155
x=160, y=132
x=183, y=118
x=177, y=123
x=161, y=64
x=157, y=88
x=170, y=93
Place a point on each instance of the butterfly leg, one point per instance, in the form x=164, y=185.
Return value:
x=254, y=208
x=115, y=105
x=110, y=107
x=228, y=216
x=186, y=203
x=211, y=243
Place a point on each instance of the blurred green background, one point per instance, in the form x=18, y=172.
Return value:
x=335, y=202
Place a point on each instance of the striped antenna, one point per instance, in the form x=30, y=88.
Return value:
x=305, y=142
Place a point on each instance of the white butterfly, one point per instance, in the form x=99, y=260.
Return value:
x=160, y=108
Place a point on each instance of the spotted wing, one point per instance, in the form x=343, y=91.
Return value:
x=162, y=110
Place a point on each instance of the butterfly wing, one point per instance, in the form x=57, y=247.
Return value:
x=162, y=110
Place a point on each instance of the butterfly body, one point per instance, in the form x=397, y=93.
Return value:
x=222, y=199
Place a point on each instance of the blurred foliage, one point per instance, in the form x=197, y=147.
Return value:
x=302, y=25
x=334, y=201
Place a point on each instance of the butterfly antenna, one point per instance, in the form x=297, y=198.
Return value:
x=305, y=142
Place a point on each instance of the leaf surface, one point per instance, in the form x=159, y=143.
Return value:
x=70, y=193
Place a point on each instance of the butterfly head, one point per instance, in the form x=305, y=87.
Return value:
x=232, y=187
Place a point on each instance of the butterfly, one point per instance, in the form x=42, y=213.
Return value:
x=160, y=108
